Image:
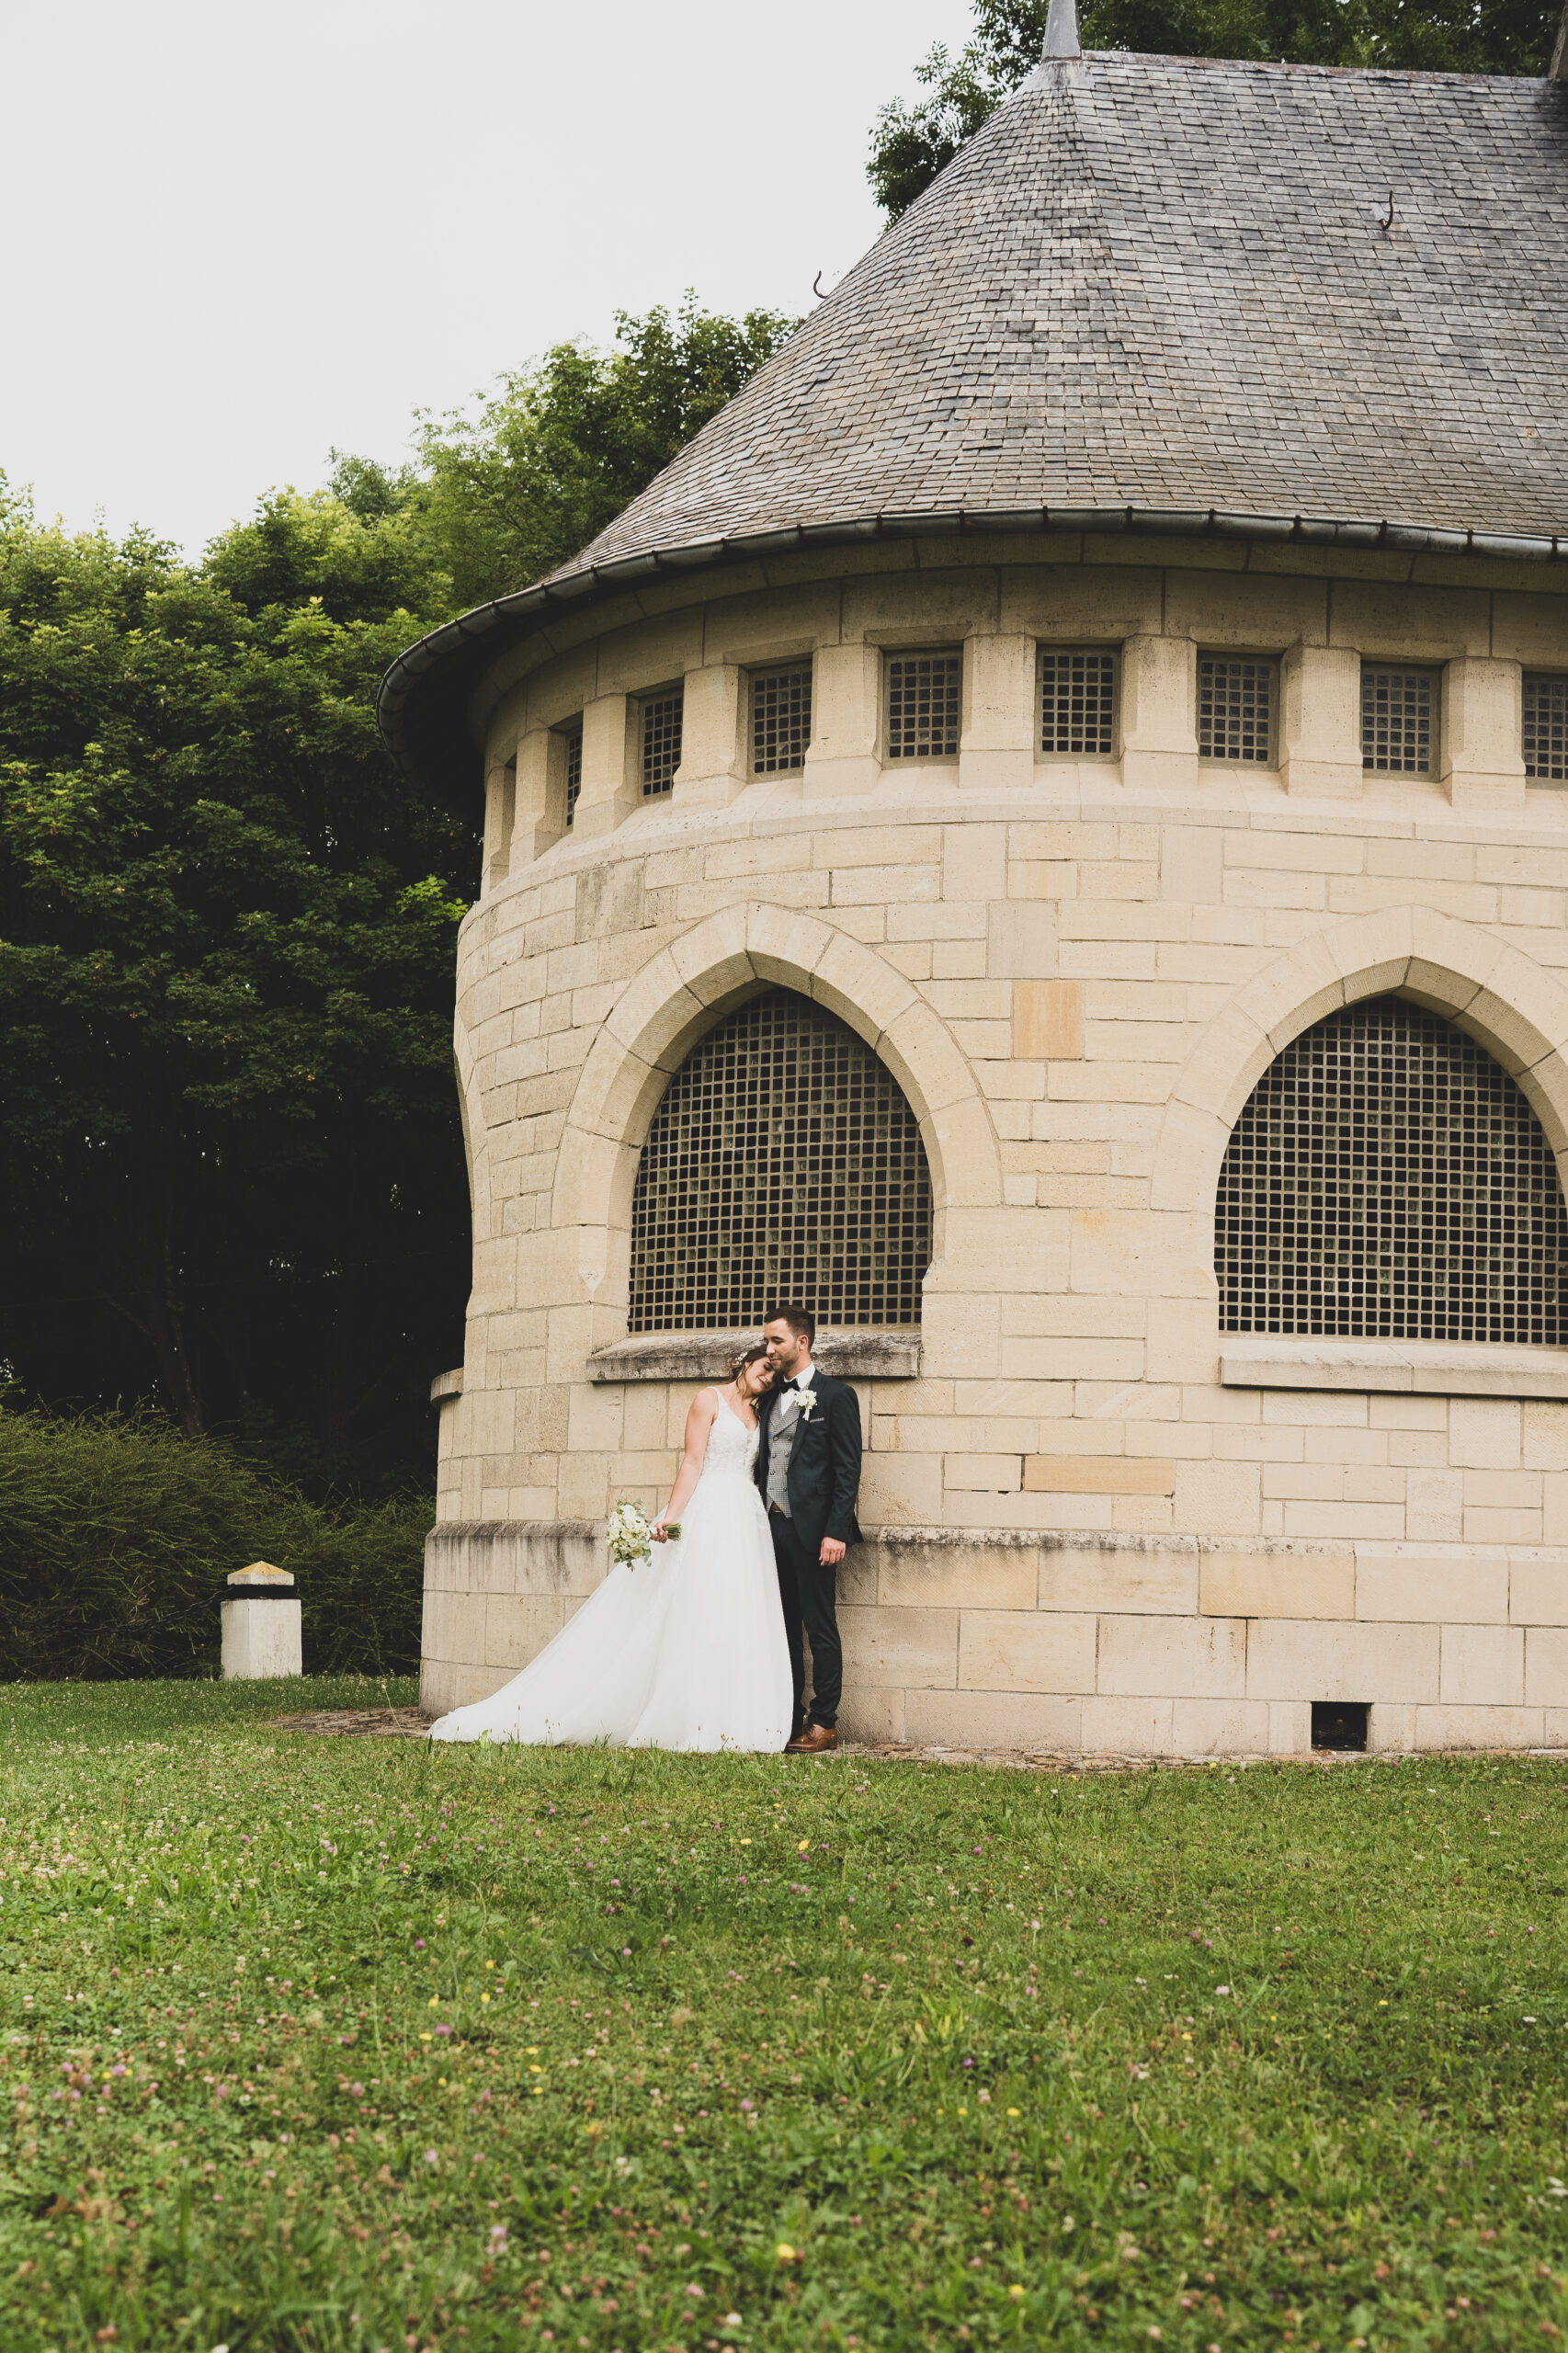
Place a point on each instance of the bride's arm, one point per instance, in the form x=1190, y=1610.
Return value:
x=698, y=1422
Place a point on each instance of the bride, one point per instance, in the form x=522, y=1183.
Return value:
x=687, y=1649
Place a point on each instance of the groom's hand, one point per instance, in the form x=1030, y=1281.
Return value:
x=833, y=1552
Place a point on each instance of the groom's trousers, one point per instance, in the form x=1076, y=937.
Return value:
x=810, y=1596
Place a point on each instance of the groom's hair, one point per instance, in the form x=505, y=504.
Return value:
x=799, y=1320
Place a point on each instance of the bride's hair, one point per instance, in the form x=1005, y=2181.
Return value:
x=748, y=1356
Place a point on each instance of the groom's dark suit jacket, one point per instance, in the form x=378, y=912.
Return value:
x=824, y=1465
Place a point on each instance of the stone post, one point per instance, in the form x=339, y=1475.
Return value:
x=611, y=789
x=1479, y=755
x=997, y=747
x=712, y=769
x=1320, y=722
x=541, y=815
x=845, y=720
x=261, y=1625
x=1159, y=712
x=500, y=812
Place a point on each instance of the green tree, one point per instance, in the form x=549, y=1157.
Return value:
x=560, y=447
x=232, y=1168
x=230, y=1150
x=910, y=144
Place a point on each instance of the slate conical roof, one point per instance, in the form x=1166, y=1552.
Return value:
x=1163, y=281
x=1162, y=292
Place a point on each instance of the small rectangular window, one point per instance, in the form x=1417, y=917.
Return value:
x=1546, y=728
x=780, y=719
x=1237, y=696
x=1077, y=700
x=661, y=739
x=1399, y=720
x=572, y=736
x=924, y=704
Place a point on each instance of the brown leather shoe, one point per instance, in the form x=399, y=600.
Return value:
x=813, y=1741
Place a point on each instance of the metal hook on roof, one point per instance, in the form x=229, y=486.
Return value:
x=1386, y=227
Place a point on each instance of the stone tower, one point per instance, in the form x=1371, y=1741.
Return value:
x=1046, y=831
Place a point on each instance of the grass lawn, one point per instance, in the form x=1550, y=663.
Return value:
x=359, y=2044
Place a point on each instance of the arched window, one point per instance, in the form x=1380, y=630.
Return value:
x=783, y=1164
x=1388, y=1180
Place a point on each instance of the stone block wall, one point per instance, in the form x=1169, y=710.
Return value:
x=1130, y=1645
x=1078, y=971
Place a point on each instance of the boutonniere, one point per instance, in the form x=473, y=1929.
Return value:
x=806, y=1402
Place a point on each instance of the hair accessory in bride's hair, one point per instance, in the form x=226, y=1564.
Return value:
x=747, y=1357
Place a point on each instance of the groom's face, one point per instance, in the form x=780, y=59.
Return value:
x=787, y=1349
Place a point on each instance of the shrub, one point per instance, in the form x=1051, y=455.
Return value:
x=116, y=1535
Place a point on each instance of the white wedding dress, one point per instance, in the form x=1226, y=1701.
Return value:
x=685, y=1650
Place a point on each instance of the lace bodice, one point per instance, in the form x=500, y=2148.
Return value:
x=732, y=1447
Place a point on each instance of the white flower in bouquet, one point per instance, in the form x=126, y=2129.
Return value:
x=628, y=1534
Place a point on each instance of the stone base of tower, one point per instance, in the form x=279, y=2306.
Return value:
x=1160, y=1646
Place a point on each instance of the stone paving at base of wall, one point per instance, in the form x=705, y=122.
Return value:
x=413, y=1723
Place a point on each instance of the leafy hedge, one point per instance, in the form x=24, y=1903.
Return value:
x=116, y=1534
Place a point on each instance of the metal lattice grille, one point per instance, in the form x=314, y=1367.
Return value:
x=924, y=692
x=574, y=740
x=783, y=1163
x=780, y=719
x=1077, y=701
x=1388, y=1180
x=1235, y=709
x=1397, y=729
x=661, y=740
x=1546, y=728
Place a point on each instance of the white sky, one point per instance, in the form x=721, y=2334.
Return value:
x=237, y=238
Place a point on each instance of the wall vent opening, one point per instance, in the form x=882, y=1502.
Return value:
x=1077, y=701
x=1236, y=699
x=1388, y=1180
x=1399, y=720
x=780, y=719
x=1340, y=1723
x=783, y=1163
x=572, y=736
x=924, y=700
x=661, y=719
x=1546, y=728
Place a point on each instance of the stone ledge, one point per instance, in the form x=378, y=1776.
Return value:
x=1419, y=1368
x=447, y=1384
x=861, y=1353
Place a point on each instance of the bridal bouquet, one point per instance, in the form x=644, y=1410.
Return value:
x=628, y=1534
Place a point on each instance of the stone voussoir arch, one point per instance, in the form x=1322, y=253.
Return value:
x=690, y=984
x=1501, y=997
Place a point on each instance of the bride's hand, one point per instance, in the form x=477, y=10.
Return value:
x=659, y=1533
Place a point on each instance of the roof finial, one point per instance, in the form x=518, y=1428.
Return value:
x=1062, y=29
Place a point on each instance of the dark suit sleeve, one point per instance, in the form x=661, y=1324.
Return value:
x=844, y=1461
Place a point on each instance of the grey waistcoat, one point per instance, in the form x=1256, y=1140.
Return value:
x=780, y=1447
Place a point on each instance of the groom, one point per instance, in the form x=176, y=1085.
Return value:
x=808, y=1467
